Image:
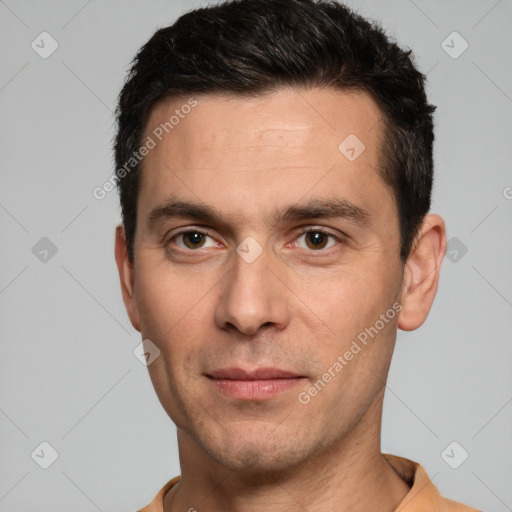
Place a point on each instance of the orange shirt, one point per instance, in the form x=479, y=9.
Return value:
x=423, y=496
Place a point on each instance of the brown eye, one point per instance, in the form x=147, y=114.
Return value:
x=316, y=239
x=193, y=239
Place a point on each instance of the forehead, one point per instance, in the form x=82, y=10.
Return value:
x=297, y=120
x=285, y=142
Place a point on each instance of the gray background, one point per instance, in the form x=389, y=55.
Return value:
x=68, y=373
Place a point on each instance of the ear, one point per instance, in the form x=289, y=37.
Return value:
x=126, y=276
x=421, y=274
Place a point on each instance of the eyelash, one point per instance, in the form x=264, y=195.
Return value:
x=303, y=232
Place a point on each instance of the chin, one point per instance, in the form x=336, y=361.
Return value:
x=261, y=460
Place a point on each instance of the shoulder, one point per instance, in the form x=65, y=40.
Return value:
x=157, y=505
x=423, y=496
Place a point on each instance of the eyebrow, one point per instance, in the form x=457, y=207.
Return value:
x=332, y=208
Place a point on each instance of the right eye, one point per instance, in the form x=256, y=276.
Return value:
x=191, y=240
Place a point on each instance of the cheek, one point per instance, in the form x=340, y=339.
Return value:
x=179, y=332
x=166, y=298
x=176, y=313
x=347, y=301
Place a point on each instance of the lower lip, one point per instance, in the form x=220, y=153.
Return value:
x=255, y=389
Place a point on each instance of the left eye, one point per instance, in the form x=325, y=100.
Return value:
x=315, y=240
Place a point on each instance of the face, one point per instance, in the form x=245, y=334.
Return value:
x=264, y=253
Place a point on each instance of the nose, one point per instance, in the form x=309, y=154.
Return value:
x=253, y=297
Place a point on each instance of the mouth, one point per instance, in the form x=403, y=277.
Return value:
x=259, y=384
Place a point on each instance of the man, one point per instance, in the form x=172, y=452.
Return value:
x=275, y=169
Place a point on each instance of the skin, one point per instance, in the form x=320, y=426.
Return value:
x=296, y=306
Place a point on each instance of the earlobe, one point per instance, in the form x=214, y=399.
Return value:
x=421, y=275
x=126, y=277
